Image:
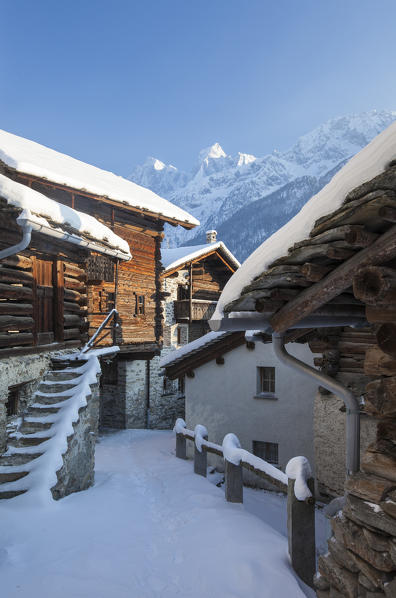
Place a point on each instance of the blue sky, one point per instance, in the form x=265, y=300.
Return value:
x=113, y=82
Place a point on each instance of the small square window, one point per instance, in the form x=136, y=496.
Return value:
x=265, y=380
x=140, y=307
x=267, y=451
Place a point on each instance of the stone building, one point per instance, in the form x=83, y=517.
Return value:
x=328, y=278
x=237, y=385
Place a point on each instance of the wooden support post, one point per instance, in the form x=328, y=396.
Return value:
x=301, y=534
x=181, y=446
x=233, y=482
x=190, y=291
x=200, y=461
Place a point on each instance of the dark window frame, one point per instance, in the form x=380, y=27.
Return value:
x=269, y=451
x=266, y=382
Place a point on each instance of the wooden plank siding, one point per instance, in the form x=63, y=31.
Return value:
x=139, y=277
x=209, y=277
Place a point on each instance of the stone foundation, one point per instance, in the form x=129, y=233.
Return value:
x=78, y=470
x=24, y=369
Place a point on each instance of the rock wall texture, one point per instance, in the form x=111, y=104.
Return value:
x=78, y=470
x=329, y=442
x=27, y=370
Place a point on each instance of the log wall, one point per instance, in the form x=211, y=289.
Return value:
x=362, y=551
x=138, y=277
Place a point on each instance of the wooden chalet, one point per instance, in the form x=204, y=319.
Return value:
x=329, y=277
x=192, y=281
x=133, y=286
x=43, y=286
x=194, y=277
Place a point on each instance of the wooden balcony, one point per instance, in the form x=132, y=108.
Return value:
x=201, y=309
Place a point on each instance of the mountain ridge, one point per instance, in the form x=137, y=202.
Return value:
x=222, y=190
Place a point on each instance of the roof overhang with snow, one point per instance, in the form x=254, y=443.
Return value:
x=58, y=221
x=29, y=158
x=174, y=259
x=298, y=276
x=201, y=351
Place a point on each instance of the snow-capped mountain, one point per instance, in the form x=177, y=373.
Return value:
x=246, y=198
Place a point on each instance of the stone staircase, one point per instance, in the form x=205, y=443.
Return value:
x=58, y=429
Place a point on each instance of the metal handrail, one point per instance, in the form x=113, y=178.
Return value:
x=90, y=342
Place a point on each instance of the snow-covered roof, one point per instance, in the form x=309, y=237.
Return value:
x=204, y=341
x=177, y=256
x=48, y=217
x=363, y=167
x=32, y=158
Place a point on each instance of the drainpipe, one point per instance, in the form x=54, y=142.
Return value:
x=23, y=222
x=350, y=401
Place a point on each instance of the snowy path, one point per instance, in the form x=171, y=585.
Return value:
x=148, y=528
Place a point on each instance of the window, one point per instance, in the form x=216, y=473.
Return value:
x=182, y=292
x=266, y=450
x=167, y=386
x=13, y=400
x=140, y=305
x=265, y=381
x=182, y=334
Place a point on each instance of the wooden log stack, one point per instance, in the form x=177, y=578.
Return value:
x=16, y=302
x=362, y=550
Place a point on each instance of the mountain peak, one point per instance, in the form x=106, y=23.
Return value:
x=214, y=151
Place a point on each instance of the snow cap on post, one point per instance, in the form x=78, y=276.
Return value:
x=299, y=469
x=232, y=449
x=200, y=434
x=179, y=426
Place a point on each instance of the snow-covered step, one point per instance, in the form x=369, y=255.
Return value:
x=62, y=364
x=38, y=410
x=51, y=399
x=61, y=375
x=11, y=476
x=15, y=459
x=37, y=446
x=6, y=494
x=31, y=427
x=29, y=440
x=55, y=387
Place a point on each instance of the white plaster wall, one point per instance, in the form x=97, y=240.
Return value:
x=221, y=397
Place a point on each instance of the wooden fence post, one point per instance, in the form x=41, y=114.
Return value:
x=301, y=533
x=181, y=446
x=200, y=460
x=233, y=482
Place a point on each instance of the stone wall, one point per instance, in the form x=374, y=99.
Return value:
x=329, y=440
x=78, y=470
x=26, y=369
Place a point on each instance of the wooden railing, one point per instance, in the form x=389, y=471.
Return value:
x=201, y=309
x=297, y=482
x=96, y=338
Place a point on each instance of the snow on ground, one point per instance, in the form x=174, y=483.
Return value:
x=148, y=528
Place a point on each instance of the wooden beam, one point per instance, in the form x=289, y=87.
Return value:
x=382, y=250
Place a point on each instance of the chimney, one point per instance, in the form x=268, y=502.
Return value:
x=211, y=236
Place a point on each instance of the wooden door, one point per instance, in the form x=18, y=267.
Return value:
x=45, y=302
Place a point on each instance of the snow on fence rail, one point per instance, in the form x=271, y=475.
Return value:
x=297, y=482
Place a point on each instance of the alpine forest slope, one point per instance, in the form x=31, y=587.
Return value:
x=247, y=198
